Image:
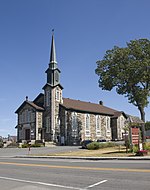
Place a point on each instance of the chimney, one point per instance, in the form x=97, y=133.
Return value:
x=101, y=102
x=26, y=98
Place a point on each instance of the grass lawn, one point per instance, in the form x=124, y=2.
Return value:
x=105, y=152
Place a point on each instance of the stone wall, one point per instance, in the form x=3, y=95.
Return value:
x=67, y=132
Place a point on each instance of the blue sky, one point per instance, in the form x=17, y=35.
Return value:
x=84, y=30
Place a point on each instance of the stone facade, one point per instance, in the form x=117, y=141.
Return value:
x=74, y=132
x=30, y=121
x=52, y=118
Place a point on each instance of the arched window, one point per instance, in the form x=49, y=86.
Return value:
x=98, y=125
x=57, y=77
x=108, y=123
x=87, y=124
x=47, y=98
x=74, y=124
x=74, y=120
x=47, y=124
x=57, y=95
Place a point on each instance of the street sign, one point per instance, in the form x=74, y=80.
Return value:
x=135, y=135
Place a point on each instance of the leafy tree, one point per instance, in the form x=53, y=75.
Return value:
x=128, y=71
x=147, y=125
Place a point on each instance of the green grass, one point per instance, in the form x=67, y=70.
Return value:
x=104, y=152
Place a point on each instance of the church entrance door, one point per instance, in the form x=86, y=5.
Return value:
x=27, y=134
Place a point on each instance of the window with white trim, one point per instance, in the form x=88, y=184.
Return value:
x=121, y=122
x=57, y=95
x=108, y=123
x=74, y=124
x=98, y=125
x=87, y=124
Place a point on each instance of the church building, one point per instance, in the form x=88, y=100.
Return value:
x=52, y=118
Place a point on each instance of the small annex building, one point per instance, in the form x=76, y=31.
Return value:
x=52, y=118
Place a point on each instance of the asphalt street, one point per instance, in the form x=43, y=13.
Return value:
x=56, y=174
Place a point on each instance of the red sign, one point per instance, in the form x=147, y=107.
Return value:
x=135, y=135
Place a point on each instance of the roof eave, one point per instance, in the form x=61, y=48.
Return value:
x=85, y=111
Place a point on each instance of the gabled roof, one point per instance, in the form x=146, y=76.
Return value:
x=38, y=108
x=134, y=119
x=82, y=106
x=118, y=114
x=40, y=96
x=39, y=100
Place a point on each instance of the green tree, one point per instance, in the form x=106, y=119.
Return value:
x=128, y=71
x=147, y=125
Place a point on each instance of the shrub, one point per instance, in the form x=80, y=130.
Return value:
x=93, y=146
x=102, y=145
x=135, y=148
x=98, y=145
x=110, y=144
x=106, y=145
x=1, y=144
x=35, y=145
x=25, y=146
x=147, y=146
x=32, y=145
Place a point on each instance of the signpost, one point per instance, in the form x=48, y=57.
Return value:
x=135, y=135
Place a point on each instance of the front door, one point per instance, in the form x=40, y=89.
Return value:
x=27, y=134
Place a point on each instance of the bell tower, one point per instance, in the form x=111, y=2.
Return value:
x=52, y=97
x=53, y=73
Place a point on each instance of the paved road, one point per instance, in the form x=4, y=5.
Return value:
x=55, y=174
x=8, y=152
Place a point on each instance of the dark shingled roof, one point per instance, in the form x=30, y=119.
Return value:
x=31, y=104
x=75, y=105
x=88, y=107
x=35, y=106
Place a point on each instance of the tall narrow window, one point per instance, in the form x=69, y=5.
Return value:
x=26, y=116
x=29, y=113
x=98, y=125
x=33, y=117
x=47, y=124
x=47, y=98
x=20, y=118
x=23, y=117
x=74, y=124
x=57, y=95
x=87, y=125
x=122, y=122
x=57, y=77
x=108, y=123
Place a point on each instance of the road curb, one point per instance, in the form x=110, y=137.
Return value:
x=87, y=158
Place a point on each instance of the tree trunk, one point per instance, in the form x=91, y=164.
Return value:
x=142, y=112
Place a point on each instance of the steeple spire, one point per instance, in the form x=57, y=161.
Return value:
x=53, y=61
x=53, y=73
